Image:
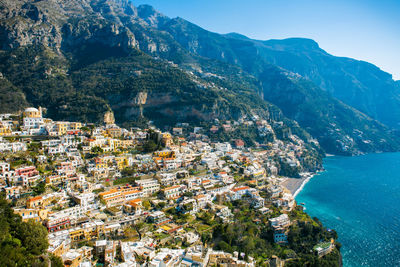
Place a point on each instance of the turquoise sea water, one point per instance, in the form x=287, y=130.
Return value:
x=359, y=197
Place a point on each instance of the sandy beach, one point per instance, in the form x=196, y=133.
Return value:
x=295, y=185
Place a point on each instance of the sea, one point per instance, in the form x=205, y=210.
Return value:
x=359, y=197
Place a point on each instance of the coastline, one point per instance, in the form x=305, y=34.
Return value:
x=305, y=181
x=295, y=185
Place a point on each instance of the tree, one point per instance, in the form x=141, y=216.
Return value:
x=128, y=171
x=129, y=232
x=33, y=236
x=97, y=150
x=56, y=261
x=138, y=227
x=85, y=129
x=21, y=243
x=206, y=237
x=222, y=245
x=39, y=189
x=35, y=147
x=146, y=204
x=150, y=146
x=161, y=205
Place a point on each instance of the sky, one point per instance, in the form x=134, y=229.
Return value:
x=362, y=29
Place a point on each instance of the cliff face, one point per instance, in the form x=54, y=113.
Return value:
x=308, y=86
x=78, y=57
x=59, y=24
x=81, y=57
x=356, y=83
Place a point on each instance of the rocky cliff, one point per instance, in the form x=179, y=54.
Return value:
x=81, y=57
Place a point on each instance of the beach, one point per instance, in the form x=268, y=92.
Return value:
x=295, y=185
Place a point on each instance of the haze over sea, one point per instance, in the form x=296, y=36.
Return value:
x=359, y=197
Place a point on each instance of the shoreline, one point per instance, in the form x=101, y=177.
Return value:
x=295, y=185
x=305, y=181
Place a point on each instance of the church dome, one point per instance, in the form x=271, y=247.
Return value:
x=31, y=110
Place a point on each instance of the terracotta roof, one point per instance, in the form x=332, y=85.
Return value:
x=34, y=199
x=172, y=187
x=113, y=190
x=240, y=188
x=135, y=202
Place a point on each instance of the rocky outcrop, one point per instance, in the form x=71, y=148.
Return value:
x=140, y=98
x=59, y=24
x=109, y=117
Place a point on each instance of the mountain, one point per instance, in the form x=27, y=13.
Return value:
x=80, y=58
x=357, y=83
x=339, y=126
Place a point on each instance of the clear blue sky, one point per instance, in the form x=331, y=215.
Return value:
x=362, y=29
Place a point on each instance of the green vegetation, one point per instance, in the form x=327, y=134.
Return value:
x=97, y=150
x=251, y=233
x=328, y=119
x=150, y=146
x=11, y=97
x=22, y=243
x=125, y=180
x=248, y=134
x=39, y=189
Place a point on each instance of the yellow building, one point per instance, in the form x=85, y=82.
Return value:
x=77, y=234
x=165, y=154
x=4, y=130
x=100, y=173
x=55, y=179
x=36, y=215
x=61, y=127
x=75, y=126
x=34, y=202
x=116, y=143
x=59, y=250
x=167, y=139
x=100, y=163
x=120, y=195
x=122, y=162
x=40, y=201
x=114, y=132
x=133, y=206
x=32, y=113
x=72, y=259
x=88, y=231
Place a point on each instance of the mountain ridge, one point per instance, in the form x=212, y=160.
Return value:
x=363, y=81
x=244, y=53
x=85, y=42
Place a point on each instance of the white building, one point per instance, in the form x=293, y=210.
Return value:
x=281, y=221
x=223, y=147
x=149, y=186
